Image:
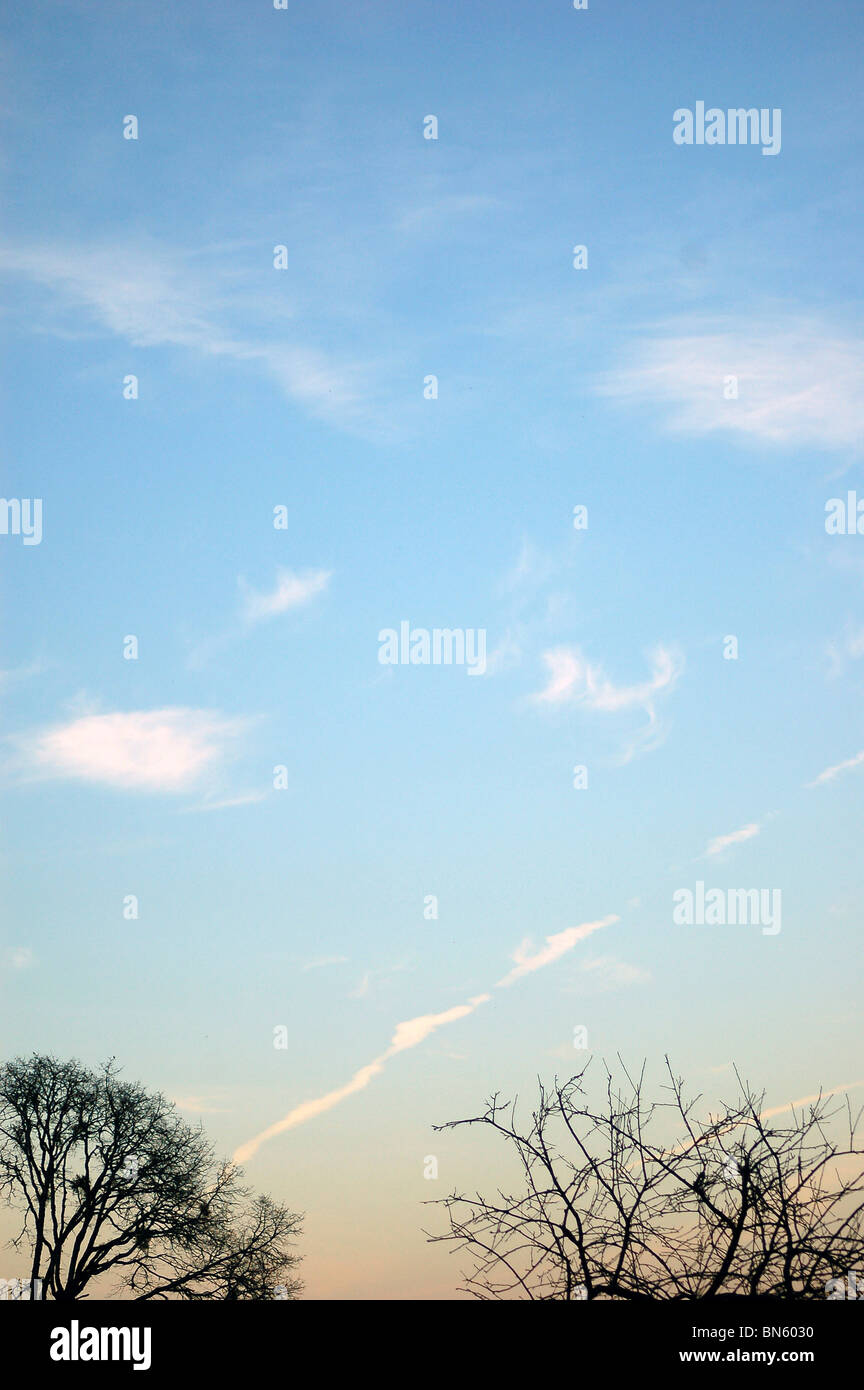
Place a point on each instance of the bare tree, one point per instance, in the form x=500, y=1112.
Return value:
x=110, y=1181
x=736, y=1204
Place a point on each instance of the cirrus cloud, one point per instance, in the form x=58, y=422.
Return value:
x=143, y=750
x=556, y=946
x=735, y=837
x=606, y=973
x=157, y=296
x=799, y=381
x=291, y=591
x=573, y=679
x=831, y=772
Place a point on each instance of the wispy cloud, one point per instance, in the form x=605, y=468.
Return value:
x=799, y=381
x=199, y=1105
x=831, y=772
x=19, y=958
x=361, y=989
x=534, y=603
x=533, y=569
x=440, y=214
x=565, y=668
x=808, y=1100
x=291, y=591
x=407, y=1035
x=364, y=986
x=850, y=647
x=606, y=973
x=320, y=961
x=153, y=296
x=557, y=945
x=19, y=673
x=735, y=837
x=573, y=680
x=415, y=1031
x=689, y=1143
x=144, y=750
x=504, y=656
x=146, y=296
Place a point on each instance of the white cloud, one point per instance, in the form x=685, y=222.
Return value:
x=799, y=381
x=143, y=296
x=565, y=676
x=504, y=656
x=145, y=750
x=850, y=647
x=361, y=990
x=809, y=1100
x=154, y=297
x=572, y=679
x=533, y=569
x=371, y=978
x=831, y=772
x=320, y=961
x=645, y=740
x=735, y=837
x=19, y=673
x=556, y=946
x=438, y=216
x=198, y=1105
x=607, y=973
x=416, y=1030
x=291, y=591
x=407, y=1035
x=690, y=1143
x=20, y=958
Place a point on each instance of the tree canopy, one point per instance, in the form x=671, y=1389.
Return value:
x=634, y=1200
x=110, y=1181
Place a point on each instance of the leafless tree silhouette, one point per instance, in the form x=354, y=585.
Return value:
x=111, y=1181
x=737, y=1204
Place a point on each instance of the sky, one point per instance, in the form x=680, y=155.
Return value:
x=289, y=364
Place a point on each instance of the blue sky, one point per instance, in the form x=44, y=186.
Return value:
x=303, y=387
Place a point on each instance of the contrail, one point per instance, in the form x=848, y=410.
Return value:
x=415, y=1030
x=687, y=1144
x=407, y=1034
x=556, y=946
x=808, y=1100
